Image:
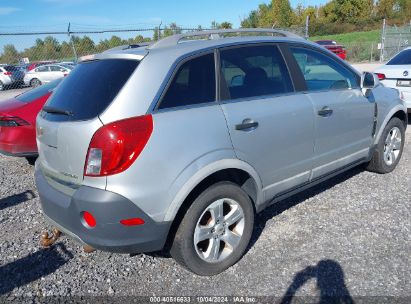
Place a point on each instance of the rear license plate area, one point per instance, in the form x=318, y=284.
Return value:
x=403, y=83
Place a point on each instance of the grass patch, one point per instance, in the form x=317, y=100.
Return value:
x=352, y=38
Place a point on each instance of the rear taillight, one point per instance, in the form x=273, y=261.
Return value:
x=9, y=121
x=380, y=76
x=115, y=146
x=7, y=73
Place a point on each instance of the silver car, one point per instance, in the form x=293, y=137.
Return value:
x=46, y=73
x=192, y=138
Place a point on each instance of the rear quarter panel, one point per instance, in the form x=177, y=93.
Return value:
x=182, y=143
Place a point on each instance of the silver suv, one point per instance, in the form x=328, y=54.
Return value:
x=182, y=142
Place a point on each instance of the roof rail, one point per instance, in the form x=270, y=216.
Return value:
x=215, y=34
x=127, y=46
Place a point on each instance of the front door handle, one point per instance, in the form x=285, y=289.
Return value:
x=247, y=125
x=325, y=111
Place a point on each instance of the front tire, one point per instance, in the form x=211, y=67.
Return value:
x=35, y=83
x=215, y=231
x=389, y=148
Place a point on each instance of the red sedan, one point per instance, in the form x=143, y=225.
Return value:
x=18, y=121
x=332, y=46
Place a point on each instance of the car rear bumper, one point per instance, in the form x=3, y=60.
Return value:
x=108, y=208
x=18, y=141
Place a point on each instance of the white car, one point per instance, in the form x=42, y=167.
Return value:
x=396, y=73
x=46, y=73
x=10, y=76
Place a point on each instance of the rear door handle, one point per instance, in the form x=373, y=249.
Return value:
x=247, y=125
x=325, y=111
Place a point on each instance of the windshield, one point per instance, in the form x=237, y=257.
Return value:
x=403, y=57
x=38, y=92
x=90, y=88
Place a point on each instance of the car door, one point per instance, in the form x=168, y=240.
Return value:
x=344, y=117
x=42, y=73
x=271, y=125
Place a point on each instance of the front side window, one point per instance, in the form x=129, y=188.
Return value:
x=322, y=72
x=42, y=69
x=194, y=83
x=55, y=68
x=253, y=71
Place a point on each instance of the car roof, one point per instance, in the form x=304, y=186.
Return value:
x=179, y=46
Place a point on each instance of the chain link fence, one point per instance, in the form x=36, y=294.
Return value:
x=22, y=51
x=394, y=39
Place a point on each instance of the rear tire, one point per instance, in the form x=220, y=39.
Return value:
x=389, y=148
x=35, y=82
x=1, y=86
x=215, y=231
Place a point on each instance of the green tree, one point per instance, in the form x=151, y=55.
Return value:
x=281, y=13
x=10, y=54
x=85, y=46
x=385, y=8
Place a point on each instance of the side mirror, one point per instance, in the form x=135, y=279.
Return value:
x=368, y=81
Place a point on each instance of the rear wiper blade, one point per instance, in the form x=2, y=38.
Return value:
x=53, y=110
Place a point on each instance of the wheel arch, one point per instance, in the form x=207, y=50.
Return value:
x=232, y=170
x=399, y=112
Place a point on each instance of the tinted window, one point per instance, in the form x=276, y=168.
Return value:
x=38, y=92
x=90, y=88
x=10, y=68
x=193, y=83
x=253, y=71
x=403, y=57
x=42, y=69
x=322, y=72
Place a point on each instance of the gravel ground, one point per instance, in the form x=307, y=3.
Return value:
x=347, y=237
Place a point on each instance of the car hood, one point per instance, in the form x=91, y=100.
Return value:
x=395, y=71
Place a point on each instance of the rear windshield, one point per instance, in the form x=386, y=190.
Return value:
x=90, y=88
x=403, y=57
x=38, y=92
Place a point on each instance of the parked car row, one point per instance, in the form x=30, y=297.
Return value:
x=33, y=74
x=188, y=141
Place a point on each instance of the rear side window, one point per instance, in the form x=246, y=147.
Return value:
x=194, y=83
x=322, y=72
x=403, y=57
x=253, y=71
x=38, y=92
x=90, y=88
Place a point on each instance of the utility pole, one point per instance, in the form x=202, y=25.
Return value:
x=159, y=31
x=307, y=22
x=71, y=42
x=382, y=41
